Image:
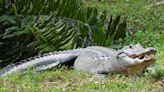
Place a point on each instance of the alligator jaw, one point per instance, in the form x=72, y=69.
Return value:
x=150, y=53
x=142, y=60
x=137, y=69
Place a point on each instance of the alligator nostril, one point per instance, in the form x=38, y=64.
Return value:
x=153, y=50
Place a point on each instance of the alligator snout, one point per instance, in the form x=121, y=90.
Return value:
x=151, y=49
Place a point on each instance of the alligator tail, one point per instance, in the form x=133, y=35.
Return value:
x=40, y=63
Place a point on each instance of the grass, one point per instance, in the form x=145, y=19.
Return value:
x=147, y=24
x=139, y=17
x=70, y=80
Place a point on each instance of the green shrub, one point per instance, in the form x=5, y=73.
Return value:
x=29, y=27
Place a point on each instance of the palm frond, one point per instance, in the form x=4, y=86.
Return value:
x=29, y=27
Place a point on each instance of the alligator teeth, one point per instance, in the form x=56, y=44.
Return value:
x=141, y=57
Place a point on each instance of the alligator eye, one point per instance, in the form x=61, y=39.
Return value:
x=141, y=57
x=130, y=47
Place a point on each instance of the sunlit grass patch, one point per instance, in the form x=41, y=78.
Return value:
x=70, y=80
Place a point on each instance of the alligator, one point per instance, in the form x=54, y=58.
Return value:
x=130, y=60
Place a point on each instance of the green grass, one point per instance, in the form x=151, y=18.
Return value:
x=69, y=80
x=139, y=17
x=148, y=26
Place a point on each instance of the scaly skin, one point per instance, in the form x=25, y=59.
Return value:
x=131, y=59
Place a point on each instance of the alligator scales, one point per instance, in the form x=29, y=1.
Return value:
x=132, y=59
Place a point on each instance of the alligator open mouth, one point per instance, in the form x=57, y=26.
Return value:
x=147, y=60
x=148, y=56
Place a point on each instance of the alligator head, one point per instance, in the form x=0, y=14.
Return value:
x=134, y=58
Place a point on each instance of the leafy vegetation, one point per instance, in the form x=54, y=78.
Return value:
x=140, y=17
x=144, y=25
x=30, y=27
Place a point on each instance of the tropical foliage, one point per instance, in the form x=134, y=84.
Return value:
x=29, y=27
